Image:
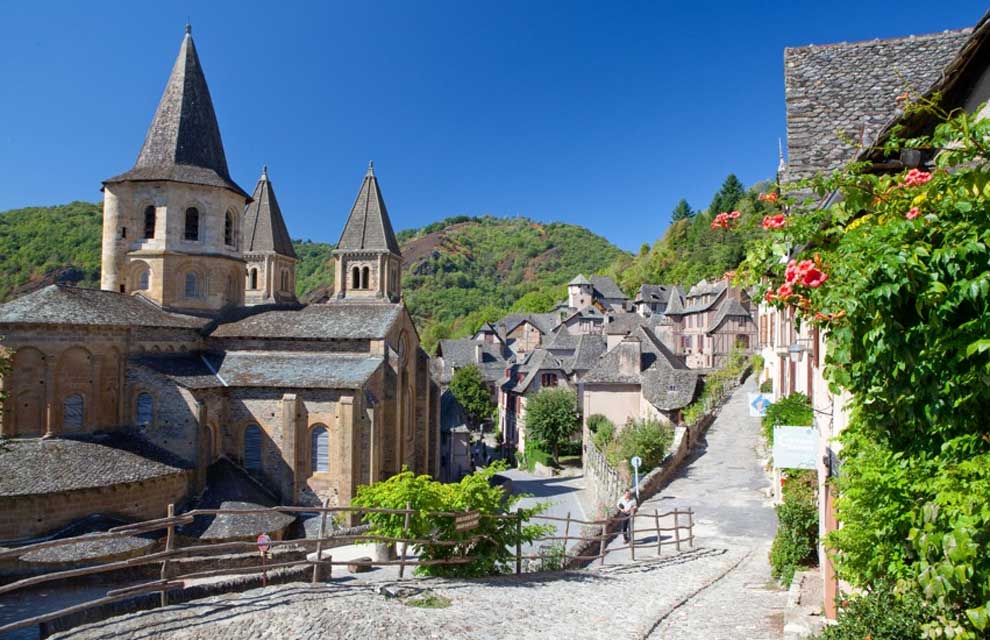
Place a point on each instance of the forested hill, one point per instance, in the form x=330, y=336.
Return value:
x=459, y=272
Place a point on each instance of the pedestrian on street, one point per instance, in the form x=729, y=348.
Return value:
x=627, y=509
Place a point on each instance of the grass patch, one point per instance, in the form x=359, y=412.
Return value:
x=428, y=601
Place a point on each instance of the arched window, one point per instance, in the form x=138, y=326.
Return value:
x=192, y=285
x=252, y=447
x=355, y=278
x=228, y=230
x=72, y=412
x=364, y=278
x=144, y=280
x=149, y=222
x=254, y=279
x=144, y=409
x=192, y=223
x=319, y=449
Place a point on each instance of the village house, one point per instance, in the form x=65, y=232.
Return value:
x=836, y=93
x=123, y=399
x=713, y=320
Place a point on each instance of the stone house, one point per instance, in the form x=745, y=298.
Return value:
x=712, y=319
x=652, y=299
x=523, y=332
x=194, y=348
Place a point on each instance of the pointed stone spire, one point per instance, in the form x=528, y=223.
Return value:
x=264, y=227
x=183, y=142
x=781, y=165
x=368, y=227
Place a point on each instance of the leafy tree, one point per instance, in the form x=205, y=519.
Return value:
x=682, y=211
x=471, y=392
x=729, y=194
x=491, y=546
x=551, y=418
x=648, y=439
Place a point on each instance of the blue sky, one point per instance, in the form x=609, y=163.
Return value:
x=601, y=114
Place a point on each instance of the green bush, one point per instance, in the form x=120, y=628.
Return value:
x=596, y=421
x=792, y=410
x=879, y=614
x=757, y=361
x=767, y=386
x=796, y=541
x=604, y=436
x=648, y=439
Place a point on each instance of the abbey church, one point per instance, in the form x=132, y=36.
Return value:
x=195, y=350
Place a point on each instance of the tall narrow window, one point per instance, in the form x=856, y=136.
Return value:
x=144, y=409
x=252, y=447
x=320, y=449
x=285, y=280
x=355, y=278
x=254, y=279
x=192, y=223
x=192, y=285
x=144, y=280
x=149, y=222
x=228, y=230
x=72, y=412
x=364, y=278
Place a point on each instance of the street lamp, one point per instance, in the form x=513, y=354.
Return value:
x=795, y=352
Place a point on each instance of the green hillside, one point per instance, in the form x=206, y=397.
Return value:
x=459, y=272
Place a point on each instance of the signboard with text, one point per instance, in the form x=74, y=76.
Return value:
x=795, y=447
x=467, y=521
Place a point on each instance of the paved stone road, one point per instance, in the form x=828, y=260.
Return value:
x=565, y=494
x=718, y=590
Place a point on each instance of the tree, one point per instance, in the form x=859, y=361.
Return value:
x=681, y=212
x=730, y=193
x=551, y=418
x=472, y=393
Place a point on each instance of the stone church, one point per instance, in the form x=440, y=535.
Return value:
x=196, y=349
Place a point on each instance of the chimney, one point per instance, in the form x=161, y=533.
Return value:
x=478, y=353
x=630, y=356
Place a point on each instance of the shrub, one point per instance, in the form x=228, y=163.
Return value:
x=648, y=439
x=796, y=541
x=604, y=436
x=879, y=614
x=757, y=362
x=767, y=386
x=491, y=544
x=791, y=410
x=596, y=421
x=552, y=557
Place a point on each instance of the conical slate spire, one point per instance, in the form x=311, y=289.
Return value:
x=264, y=227
x=368, y=227
x=183, y=142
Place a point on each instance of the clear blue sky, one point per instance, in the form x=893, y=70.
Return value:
x=601, y=114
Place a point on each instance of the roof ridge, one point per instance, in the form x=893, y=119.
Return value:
x=872, y=41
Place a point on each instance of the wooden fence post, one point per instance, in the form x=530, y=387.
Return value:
x=677, y=530
x=169, y=546
x=567, y=533
x=518, y=542
x=632, y=535
x=319, y=543
x=691, y=526
x=601, y=542
x=405, y=545
x=656, y=519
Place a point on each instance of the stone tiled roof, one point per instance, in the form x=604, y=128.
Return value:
x=591, y=313
x=624, y=324
x=730, y=308
x=456, y=354
x=68, y=305
x=579, y=279
x=654, y=293
x=183, y=142
x=560, y=340
x=264, y=227
x=40, y=466
x=337, y=319
x=537, y=362
x=848, y=90
x=589, y=349
x=368, y=227
x=669, y=389
x=265, y=369
x=89, y=550
x=675, y=304
x=545, y=322
x=606, y=288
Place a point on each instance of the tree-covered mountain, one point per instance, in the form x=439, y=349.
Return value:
x=459, y=272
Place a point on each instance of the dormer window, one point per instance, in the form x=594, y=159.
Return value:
x=192, y=224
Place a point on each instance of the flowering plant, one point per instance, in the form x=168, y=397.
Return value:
x=725, y=220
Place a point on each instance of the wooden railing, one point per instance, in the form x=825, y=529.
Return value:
x=168, y=582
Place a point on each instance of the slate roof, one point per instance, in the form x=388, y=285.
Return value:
x=265, y=369
x=730, y=308
x=545, y=322
x=368, y=228
x=675, y=304
x=337, y=319
x=607, y=288
x=68, y=305
x=624, y=324
x=589, y=349
x=456, y=354
x=264, y=227
x=537, y=361
x=561, y=341
x=183, y=142
x=40, y=466
x=585, y=312
x=848, y=89
x=579, y=279
x=654, y=293
x=89, y=550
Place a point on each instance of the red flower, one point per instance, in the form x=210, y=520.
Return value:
x=734, y=215
x=916, y=178
x=785, y=291
x=770, y=197
x=770, y=296
x=774, y=222
x=913, y=213
x=813, y=278
x=722, y=220
x=791, y=273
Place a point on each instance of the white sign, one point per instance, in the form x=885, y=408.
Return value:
x=758, y=403
x=636, y=461
x=795, y=447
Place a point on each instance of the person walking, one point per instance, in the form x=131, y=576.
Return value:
x=627, y=511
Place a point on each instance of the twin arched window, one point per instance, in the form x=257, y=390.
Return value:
x=144, y=409
x=319, y=449
x=360, y=278
x=252, y=447
x=192, y=285
x=73, y=411
x=192, y=223
x=149, y=222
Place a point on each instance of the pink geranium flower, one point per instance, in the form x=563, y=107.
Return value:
x=913, y=213
x=916, y=178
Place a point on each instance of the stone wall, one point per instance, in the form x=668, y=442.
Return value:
x=36, y=514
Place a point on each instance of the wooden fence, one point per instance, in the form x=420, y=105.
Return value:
x=168, y=582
